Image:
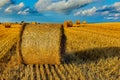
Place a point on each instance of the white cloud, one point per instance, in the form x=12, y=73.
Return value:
x=105, y=12
x=117, y=15
x=42, y=5
x=24, y=12
x=111, y=18
x=114, y=15
x=61, y=5
x=87, y=12
x=117, y=6
x=111, y=11
x=4, y=2
x=12, y=7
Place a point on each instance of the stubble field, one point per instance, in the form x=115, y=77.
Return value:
x=91, y=52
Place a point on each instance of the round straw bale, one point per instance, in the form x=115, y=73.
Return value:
x=68, y=23
x=33, y=22
x=40, y=44
x=65, y=24
x=7, y=25
x=84, y=22
x=78, y=22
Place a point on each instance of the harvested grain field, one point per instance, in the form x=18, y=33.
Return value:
x=91, y=52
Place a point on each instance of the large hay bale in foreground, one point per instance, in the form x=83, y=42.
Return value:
x=41, y=44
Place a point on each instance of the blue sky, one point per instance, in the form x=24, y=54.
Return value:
x=59, y=10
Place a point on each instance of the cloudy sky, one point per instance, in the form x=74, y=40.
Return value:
x=59, y=10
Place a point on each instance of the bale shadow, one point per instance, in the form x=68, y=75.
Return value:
x=62, y=43
x=20, y=42
x=92, y=55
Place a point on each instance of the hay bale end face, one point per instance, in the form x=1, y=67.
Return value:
x=41, y=44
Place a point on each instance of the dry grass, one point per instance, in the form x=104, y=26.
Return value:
x=41, y=44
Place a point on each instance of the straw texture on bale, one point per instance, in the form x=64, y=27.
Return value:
x=41, y=44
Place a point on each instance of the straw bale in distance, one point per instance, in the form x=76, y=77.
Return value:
x=7, y=25
x=33, y=22
x=78, y=22
x=41, y=44
x=68, y=23
x=84, y=22
x=65, y=24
